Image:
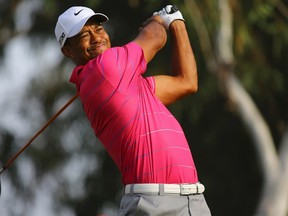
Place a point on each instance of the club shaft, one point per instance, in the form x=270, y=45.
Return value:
x=10, y=161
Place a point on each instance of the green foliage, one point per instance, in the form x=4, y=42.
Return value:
x=261, y=13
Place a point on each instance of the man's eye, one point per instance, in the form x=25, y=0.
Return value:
x=84, y=35
x=99, y=29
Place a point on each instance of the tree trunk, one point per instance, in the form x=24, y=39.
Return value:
x=274, y=197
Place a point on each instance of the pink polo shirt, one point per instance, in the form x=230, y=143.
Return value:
x=140, y=134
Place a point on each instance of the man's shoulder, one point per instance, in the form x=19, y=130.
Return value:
x=130, y=50
x=131, y=46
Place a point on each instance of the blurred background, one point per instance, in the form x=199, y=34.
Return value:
x=236, y=124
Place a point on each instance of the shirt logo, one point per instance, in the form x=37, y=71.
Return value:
x=76, y=13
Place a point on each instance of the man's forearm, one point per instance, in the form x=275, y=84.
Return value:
x=152, y=37
x=183, y=61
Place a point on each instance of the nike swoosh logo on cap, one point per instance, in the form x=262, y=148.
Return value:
x=78, y=12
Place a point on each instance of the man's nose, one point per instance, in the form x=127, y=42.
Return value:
x=95, y=37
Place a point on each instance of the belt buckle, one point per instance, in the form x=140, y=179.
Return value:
x=188, y=189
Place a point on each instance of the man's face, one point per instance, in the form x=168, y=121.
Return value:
x=91, y=41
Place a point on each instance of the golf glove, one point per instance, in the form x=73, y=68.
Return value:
x=168, y=14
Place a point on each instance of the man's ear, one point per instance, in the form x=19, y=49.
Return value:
x=66, y=52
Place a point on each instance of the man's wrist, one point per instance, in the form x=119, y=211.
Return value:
x=178, y=23
x=157, y=18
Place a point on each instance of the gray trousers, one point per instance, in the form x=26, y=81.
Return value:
x=163, y=205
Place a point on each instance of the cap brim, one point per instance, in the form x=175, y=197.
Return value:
x=102, y=18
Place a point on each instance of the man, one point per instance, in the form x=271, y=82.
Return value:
x=128, y=113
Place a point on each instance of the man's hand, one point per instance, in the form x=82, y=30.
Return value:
x=169, y=14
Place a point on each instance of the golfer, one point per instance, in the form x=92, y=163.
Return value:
x=128, y=113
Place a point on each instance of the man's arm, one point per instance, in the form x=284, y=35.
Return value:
x=152, y=37
x=184, y=81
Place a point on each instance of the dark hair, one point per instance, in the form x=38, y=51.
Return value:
x=66, y=42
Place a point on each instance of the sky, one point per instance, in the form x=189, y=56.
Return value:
x=21, y=64
x=17, y=69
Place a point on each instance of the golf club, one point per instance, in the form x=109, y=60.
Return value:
x=12, y=159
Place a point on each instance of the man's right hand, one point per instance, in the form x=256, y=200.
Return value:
x=169, y=14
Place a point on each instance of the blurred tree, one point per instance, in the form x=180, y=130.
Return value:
x=274, y=195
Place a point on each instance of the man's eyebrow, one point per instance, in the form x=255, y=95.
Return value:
x=81, y=33
x=97, y=25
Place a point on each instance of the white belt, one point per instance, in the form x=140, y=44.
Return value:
x=181, y=189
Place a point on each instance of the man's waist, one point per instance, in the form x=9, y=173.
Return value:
x=180, y=189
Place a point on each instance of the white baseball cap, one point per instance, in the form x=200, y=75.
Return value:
x=72, y=21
